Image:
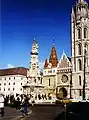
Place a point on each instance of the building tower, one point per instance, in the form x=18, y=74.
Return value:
x=80, y=42
x=50, y=71
x=34, y=67
x=53, y=57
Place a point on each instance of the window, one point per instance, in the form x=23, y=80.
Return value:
x=21, y=83
x=85, y=32
x=0, y=84
x=14, y=77
x=4, y=89
x=13, y=89
x=0, y=89
x=79, y=33
x=80, y=64
x=53, y=71
x=9, y=78
x=79, y=49
x=21, y=89
x=50, y=71
x=49, y=82
x=41, y=80
x=5, y=78
x=4, y=83
x=8, y=89
x=35, y=80
x=14, y=83
x=21, y=78
x=9, y=83
x=27, y=81
x=80, y=93
x=79, y=80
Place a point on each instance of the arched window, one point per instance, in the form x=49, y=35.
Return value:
x=79, y=33
x=79, y=49
x=80, y=64
x=85, y=32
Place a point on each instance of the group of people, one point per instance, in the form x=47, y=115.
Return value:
x=21, y=103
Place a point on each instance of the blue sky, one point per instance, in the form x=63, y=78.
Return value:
x=24, y=20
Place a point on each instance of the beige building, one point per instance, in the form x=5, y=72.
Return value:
x=50, y=72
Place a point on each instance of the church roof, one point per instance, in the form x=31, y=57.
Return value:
x=53, y=57
x=64, y=61
x=14, y=71
x=46, y=63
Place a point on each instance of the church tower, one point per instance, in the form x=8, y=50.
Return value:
x=53, y=57
x=80, y=48
x=34, y=67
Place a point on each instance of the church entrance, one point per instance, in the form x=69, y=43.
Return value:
x=62, y=93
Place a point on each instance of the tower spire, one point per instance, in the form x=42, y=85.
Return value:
x=53, y=57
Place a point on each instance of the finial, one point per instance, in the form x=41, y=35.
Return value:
x=53, y=40
x=63, y=52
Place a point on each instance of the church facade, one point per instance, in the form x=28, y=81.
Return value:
x=71, y=76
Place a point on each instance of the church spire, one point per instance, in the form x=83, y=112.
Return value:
x=46, y=63
x=53, y=57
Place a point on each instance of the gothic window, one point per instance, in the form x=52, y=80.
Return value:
x=80, y=64
x=79, y=49
x=9, y=83
x=79, y=33
x=86, y=48
x=64, y=78
x=85, y=32
x=49, y=82
x=79, y=80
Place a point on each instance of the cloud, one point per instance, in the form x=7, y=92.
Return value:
x=41, y=65
x=10, y=66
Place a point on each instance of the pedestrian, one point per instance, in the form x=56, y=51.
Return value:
x=2, y=105
x=24, y=108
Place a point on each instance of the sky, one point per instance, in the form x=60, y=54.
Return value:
x=23, y=20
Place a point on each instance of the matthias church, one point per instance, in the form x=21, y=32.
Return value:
x=68, y=77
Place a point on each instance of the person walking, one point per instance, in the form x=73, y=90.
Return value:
x=2, y=105
x=24, y=108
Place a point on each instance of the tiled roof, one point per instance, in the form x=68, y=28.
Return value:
x=14, y=71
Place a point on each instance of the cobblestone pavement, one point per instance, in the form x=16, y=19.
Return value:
x=39, y=112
